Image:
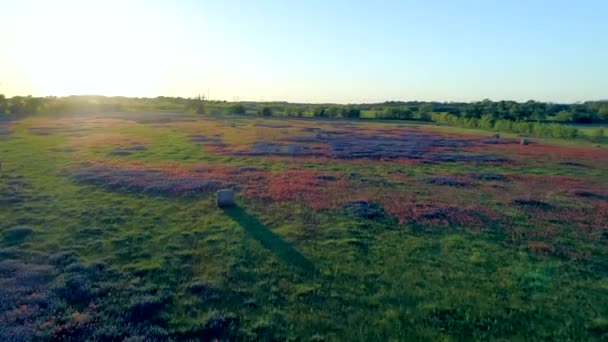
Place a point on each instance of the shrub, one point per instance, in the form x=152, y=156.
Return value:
x=541, y=130
x=17, y=234
x=144, y=308
x=222, y=326
x=74, y=288
x=266, y=111
x=503, y=126
x=351, y=112
x=471, y=123
x=202, y=288
x=238, y=109
x=486, y=122
x=63, y=258
x=598, y=135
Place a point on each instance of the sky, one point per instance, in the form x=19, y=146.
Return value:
x=307, y=51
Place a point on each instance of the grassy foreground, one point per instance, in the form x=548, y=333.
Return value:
x=511, y=246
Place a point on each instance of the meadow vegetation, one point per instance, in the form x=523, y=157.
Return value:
x=343, y=229
x=586, y=121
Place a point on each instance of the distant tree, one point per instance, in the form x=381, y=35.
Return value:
x=539, y=114
x=397, y=113
x=200, y=105
x=320, y=112
x=602, y=113
x=238, y=109
x=516, y=112
x=266, y=111
x=473, y=110
x=390, y=113
x=405, y=114
x=3, y=104
x=581, y=114
x=503, y=125
x=564, y=115
x=424, y=111
x=333, y=111
x=24, y=104
x=486, y=122
x=351, y=112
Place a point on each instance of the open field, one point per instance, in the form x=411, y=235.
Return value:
x=344, y=230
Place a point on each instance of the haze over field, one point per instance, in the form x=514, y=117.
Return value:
x=313, y=51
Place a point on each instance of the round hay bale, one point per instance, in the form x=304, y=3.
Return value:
x=225, y=198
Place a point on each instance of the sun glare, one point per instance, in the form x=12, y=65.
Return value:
x=86, y=55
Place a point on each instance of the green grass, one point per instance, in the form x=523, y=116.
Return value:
x=288, y=272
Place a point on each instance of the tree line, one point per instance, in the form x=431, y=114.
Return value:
x=534, y=111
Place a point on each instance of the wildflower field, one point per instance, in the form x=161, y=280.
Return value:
x=343, y=230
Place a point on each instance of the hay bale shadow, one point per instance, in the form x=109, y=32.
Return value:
x=270, y=240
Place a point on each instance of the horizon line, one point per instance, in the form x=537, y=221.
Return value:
x=312, y=102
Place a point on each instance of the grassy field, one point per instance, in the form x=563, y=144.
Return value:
x=590, y=129
x=342, y=231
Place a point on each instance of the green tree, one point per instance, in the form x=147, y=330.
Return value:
x=238, y=109
x=541, y=130
x=471, y=123
x=602, y=113
x=564, y=115
x=200, y=105
x=539, y=113
x=320, y=112
x=351, y=112
x=424, y=111
x=266, y=111
x=3, y=104
x=503, y=125
x=333, y=111
x=390, y=113
x=486, y=122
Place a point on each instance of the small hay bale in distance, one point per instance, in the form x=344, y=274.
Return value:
x=225, y=198
x=530, y=202
x=364, y=209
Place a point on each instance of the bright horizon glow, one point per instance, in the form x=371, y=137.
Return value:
x=343, y=51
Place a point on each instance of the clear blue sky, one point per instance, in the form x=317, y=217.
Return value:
x=314, y=51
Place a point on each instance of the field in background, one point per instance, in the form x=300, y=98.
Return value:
x=343, y=230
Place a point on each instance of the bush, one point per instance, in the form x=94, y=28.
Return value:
x=145, y=308
x=238, y=109
x=63, y=258
x=320, y=112
x=486, y=122
x=598, y=135
x=17, y=234
x=352, y=113
x=541, y=130
x=503, y=125
x=266, y=111
x=397, y=113
x=74, y=288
